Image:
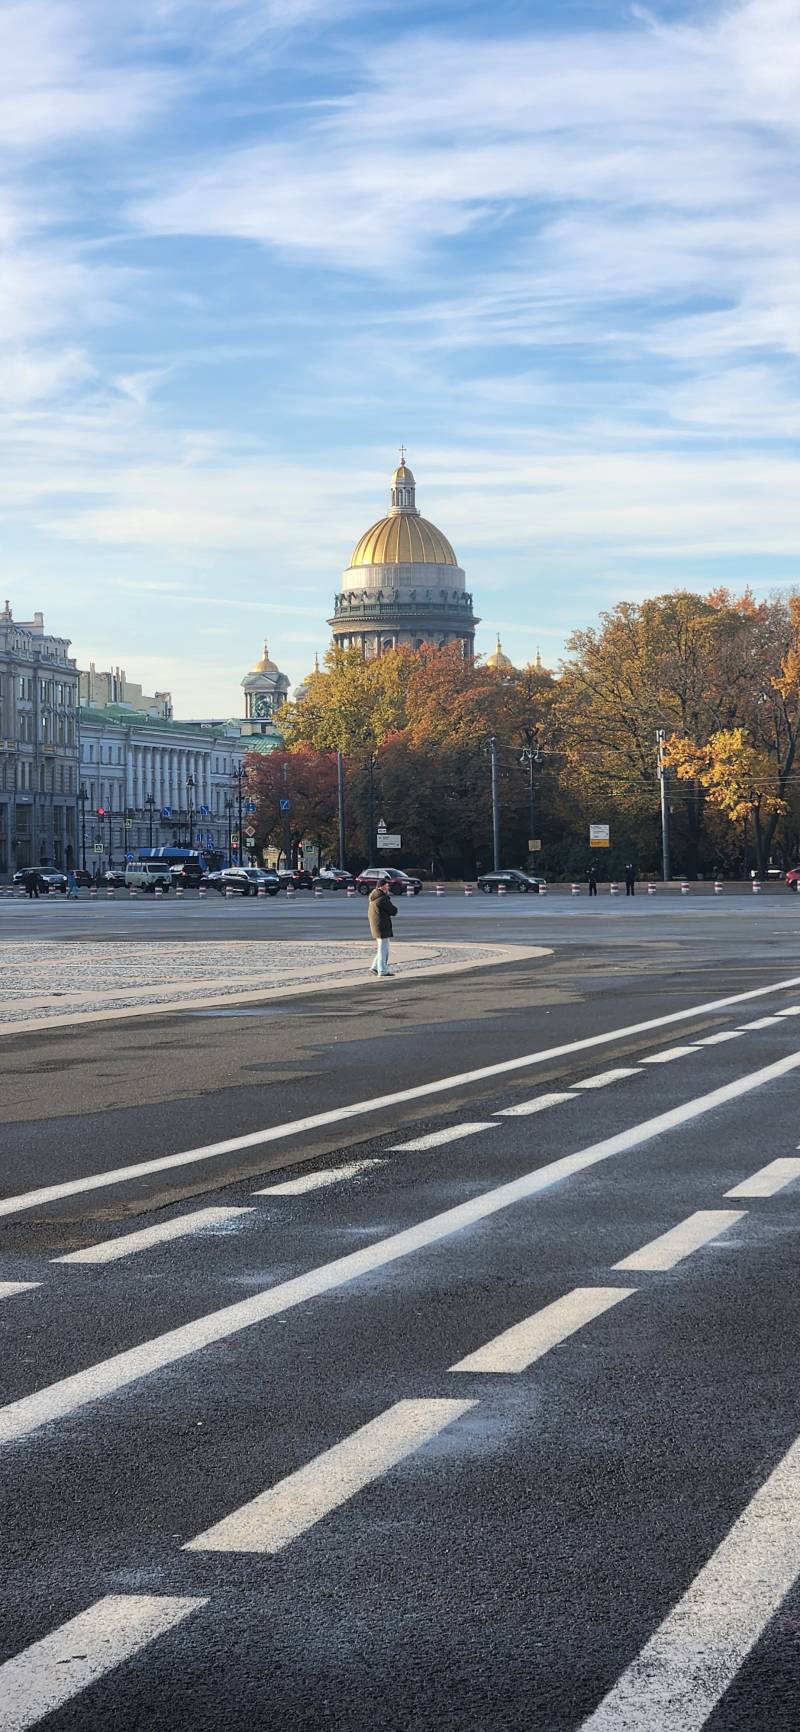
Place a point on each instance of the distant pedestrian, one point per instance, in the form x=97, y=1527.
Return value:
x=72, y=883
x=592, y=876
x=32, y=885
x=380, y=909
x=630, y=880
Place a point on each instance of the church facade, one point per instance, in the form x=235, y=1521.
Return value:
x=404, y=586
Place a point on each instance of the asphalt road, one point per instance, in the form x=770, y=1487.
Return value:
x=438, y=1459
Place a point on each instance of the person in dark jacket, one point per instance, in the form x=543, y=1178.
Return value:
x=592, y=876
x=630, y=879
x=380, y=909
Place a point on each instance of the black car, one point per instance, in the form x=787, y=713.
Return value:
x=44, y=878
x=114, y=879
x=334, y=877
x=244, y=880
x=521, y=882
x=296, y=876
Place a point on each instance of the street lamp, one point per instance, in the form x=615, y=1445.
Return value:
x=83, y=795
x=228, y=821
x=240, y=783
x=150, y=804
x=189, y=793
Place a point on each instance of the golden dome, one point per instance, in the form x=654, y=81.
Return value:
x=265, y=666
x=403, y=539
x=499, y=660
x=403, y=476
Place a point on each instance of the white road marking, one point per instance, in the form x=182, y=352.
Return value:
x=20, y=1418
x=684, y=1669
x=604, y=1077
x=9, y=1288
x=314, y=1181
x=56, y=1669
x=671, y=1248
x=723, y=1035
x=760, y=1022
x=667, y=1056
x=529, y=1340
x=451, y=1134
x=537, y=1105
x=791, y=1010
x=297, y=1503
x=128, y=1244
x=357, y=1109
x=768, y=1179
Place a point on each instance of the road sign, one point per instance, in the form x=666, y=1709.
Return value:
x=97, y=847
x=249, y=833
x=386, y=841
x=166, y=811
x=599, y=836
x=534, y=846
x=286, y=805
x=128, y=823
x=381, y=826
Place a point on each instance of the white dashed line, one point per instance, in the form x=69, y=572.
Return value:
x=537, y=1105
x=723, y=1035
x=129, y=1244
x=791, y=1010
x=760, y=1022
x=315, y=1181
x=9, y=1288
x=524, y=1342
x=297, y=1503
x=667, y=1057
x=671, y=1248
x=604, y=1077
x=452, y=1134
x=768, y=1180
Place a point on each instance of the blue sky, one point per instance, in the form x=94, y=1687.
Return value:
x=251, y=245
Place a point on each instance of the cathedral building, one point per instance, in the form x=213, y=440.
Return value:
x=404, y=586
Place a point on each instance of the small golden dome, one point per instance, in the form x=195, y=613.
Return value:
x=403, y=477
x=499, y=660
x=403, y=539
x=265, y=666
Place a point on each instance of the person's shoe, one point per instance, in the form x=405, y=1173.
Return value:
x=386, y=974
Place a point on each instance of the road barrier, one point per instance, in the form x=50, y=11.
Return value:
x=228, y=893
x=440, y=889
x=131, y=892
x=651, y=889
x=685, y=888
x=290, y=890
x=317, y=892
x=468, y=889
x=351, y=890
x=757, y=888
x=179, y=890
x=262, y=890
x=501, y=890
x=109, y=892
x=717, y=887
x=409, y=891
x=93, y=891
x=543, y=887
x=575, y=889
x=202, y=891
x=613, y=889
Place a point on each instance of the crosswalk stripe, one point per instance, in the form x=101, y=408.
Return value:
x=435, y=1139
x=667, y=1056
x=275, y=1518
x=604, y=1077
x=314, y=1181
x=686, y=1667
x=19, y=1418
x=358, y=1109
x=128, y=1244
x=517, y=1348
x=671, y=1247
x=791, y=1010
x=723, y=1035
x=537, y=1105
x=9, y=1288
x=760, y=1022
x=56, y=1669
x=768, y=1179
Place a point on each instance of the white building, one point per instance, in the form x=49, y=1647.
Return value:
x=158, y=783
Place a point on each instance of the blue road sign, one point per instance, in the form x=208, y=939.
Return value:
x=286, y=805
x=166, y=811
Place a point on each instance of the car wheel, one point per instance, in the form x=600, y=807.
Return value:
x=523, y=889
x=487, y=889
x=363, y=889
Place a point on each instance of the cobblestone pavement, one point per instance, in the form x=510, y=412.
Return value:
x=45, y=983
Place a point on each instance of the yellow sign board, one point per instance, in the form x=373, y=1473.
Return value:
x=599, y=836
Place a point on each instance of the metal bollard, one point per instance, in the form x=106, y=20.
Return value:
x=717, y=887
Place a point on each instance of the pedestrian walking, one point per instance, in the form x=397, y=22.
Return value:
x=380, y=909
x=592, y=876
x=630, y=880
x=72, y=883
x=32, y=885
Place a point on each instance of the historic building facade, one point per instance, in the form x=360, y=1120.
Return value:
x=403, y=585
x=38, y=746
x=159, y=783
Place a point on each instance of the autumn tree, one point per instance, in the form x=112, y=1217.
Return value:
x=307, y=779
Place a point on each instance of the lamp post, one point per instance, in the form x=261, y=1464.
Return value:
x=661, y=734
x=495, y=805
x=240, y=782
x=83, y=796
x=228, y=821
x=530, y=755
x=189, y=793
x=150, y=804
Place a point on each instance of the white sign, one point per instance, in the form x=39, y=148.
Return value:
x=385, y=841
x=599, y=836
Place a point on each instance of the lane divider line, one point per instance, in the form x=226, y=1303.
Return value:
x=129, y=1244
x=768, y=1180
x=518, y=1347
x=59, y=1667
x=668, y=1056
x=358, y=1109
x=9, y=1288
x=604, y=1077
x=679, y=1242
x=450, y=1134
x=20, y=1418
x=684, y=1670
x=791, y=1010
x=760, y=1022
x=537, y=1105
x=278, y=1516
x=316, y=1181
x=723, y=1035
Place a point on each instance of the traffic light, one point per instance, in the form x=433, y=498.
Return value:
x=101, y=811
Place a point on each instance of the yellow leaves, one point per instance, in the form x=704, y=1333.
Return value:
x=738, y=777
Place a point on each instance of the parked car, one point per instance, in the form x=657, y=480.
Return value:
x=793, y=877
x=244, y=880
x=399, y=882
x=83, y=879
x=148, y=875
x=45, y=877
x=188, y=873
x=335, y=877
x=114, y=878
x=522, y=882
x=296, y=875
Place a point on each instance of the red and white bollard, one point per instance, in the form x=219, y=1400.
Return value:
x=201, y=891
x=351, y=890
x=613, y=889
x=685, y=888
x=409, y=891
x=158, y=891
x=93, y=891
x=717, y=887
x=317, y=892
x=575, y=889
x=757, y=887
x=131, y=892
x=228, y=893
x=262, y=890
x=440, y=889
x=468, y=889
x=290, y=890
x=543, y=887
x=651, y=889
x=501, y=890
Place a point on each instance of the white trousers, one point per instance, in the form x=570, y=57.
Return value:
x=380, y=963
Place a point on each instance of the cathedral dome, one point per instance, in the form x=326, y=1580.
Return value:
x=403, y=538
x=264, y=665
x=499, y=660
